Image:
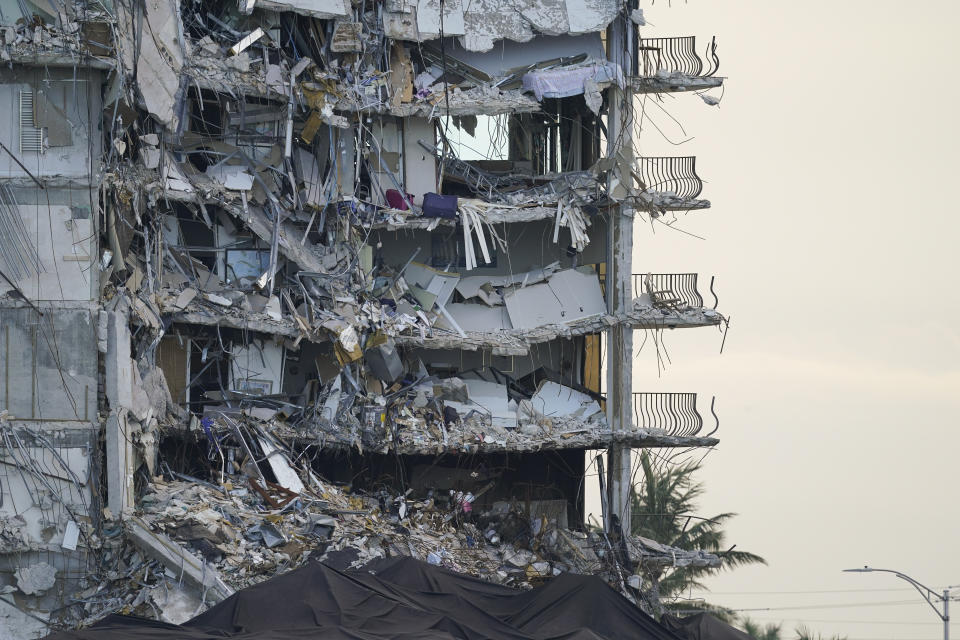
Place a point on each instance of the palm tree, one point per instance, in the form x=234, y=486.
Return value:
x=772, y=632
x=662, y=509
x=804, y=633
x=757, y=632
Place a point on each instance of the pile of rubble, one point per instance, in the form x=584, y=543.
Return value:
x=246, y=529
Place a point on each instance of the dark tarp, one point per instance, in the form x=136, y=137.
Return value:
x=702, y=626
x=403, y=599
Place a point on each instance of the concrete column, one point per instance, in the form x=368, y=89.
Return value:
x=119, y=464
x=621, y=47
x=120, y=395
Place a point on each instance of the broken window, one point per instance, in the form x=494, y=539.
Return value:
x=479, y=137
x=244, y=266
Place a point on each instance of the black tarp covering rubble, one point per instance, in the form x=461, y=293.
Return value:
x=399, y=598
x=702, y=626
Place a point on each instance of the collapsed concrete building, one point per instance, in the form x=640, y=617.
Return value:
x=259, y=301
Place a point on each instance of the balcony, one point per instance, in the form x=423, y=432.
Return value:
x=677, y=291
x=673, y=64
x=671, y=300
x=674, y=413
x=669, y=183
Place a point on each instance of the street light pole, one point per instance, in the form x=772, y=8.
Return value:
x=928, y=594
x=946, y=614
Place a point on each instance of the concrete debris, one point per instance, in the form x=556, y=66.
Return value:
x=507, y=544
x=14, y=537
x=36, y=579
x=303, y=254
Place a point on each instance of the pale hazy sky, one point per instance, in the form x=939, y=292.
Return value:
x=832, y=235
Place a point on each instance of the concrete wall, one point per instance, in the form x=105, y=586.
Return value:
x=419, y=165
x=49, y=361
x=47, y=498
x=48, y=365
x=46, y=503
x=73, y=103
x=63, y=239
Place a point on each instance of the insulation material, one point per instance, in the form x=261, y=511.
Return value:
x=566, y=296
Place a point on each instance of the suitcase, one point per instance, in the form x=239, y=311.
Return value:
x=439, y=206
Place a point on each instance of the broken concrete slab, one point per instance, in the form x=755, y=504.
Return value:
x=323, y=9
x=482, y=24
x=158, y=55
x=36, y=579
x=178, y=560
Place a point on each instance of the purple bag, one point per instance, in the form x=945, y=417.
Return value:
x=396, y=201
x=439, y=206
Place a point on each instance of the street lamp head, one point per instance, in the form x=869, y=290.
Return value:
x=865, y=569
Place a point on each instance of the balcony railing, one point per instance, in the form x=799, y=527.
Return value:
x=677, y=55
x=676, y=174
x=677, y=290
x=675, y=413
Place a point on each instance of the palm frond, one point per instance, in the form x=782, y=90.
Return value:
x=662, y=509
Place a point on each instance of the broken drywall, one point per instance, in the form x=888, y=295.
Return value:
x=566, y=297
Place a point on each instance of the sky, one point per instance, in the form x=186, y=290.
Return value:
x=833, y=241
